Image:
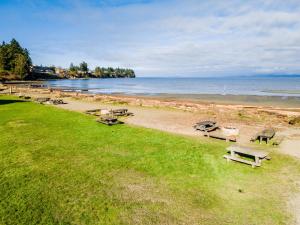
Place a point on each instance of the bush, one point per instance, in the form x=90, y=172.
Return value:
x=295, y=121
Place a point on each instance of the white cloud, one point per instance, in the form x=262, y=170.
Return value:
x=176, y=37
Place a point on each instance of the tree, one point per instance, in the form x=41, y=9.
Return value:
x=21, y=66
x=3, y=57
x=110, y=72
x=98, y=72
x=14, y=48
x=28, y=59
x=84, y=67
x=72, y=68
x=14, y=60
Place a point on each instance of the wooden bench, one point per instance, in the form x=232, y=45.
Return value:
x=221, y=137
x=109, y=120
x=236, y=151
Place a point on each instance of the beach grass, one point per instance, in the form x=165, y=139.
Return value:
x=61, y=167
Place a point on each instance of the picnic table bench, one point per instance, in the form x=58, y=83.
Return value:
x=236, y=151
x=109, y=120
x=221, y=137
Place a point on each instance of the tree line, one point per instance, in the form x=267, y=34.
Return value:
x=100, y=72
x=16, y=64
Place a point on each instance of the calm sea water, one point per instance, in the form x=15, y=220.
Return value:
x=270, y=86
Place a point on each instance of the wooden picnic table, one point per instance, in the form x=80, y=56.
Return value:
x=265, y=134
x=236, y=151
x=121, y=112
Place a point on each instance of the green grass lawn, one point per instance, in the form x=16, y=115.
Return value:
x=61, y=167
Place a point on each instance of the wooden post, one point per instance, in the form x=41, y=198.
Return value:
x=206, y=133
x=10, y=90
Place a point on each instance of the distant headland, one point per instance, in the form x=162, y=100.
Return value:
x=16, y=64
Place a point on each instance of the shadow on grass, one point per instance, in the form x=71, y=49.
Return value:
x=4, y=102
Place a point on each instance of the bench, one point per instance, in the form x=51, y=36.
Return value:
x=109, y=121
x=221, y=137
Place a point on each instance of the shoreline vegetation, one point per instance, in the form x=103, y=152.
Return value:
x=16, y=64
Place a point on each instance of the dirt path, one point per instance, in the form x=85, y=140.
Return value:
x=169, y=120
x=291, y=144
x=173, y=121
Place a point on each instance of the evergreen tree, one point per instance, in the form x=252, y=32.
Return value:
x=4, y=57
x=72, y=68
x=21, y=66
x=98, y=72
x=83, y=67
x=14, y=59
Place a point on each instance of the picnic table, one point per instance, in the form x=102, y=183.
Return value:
x=266, y=135
x=237, y=151
x=121, y=112
x=206, y=126
x=42, y=100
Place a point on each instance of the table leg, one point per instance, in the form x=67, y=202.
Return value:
x=260, y=140
x=257, y=160
x=232, y=153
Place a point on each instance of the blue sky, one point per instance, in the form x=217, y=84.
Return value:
x=157, y=37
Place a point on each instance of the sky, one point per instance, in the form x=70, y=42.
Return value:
x=159, y=37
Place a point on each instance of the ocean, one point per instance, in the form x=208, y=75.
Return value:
x=261, y=86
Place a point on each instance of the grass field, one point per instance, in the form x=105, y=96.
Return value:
x=61, y=167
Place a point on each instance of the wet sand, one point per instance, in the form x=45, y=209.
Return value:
x=254, y=100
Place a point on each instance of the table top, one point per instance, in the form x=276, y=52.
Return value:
x=248, y=151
